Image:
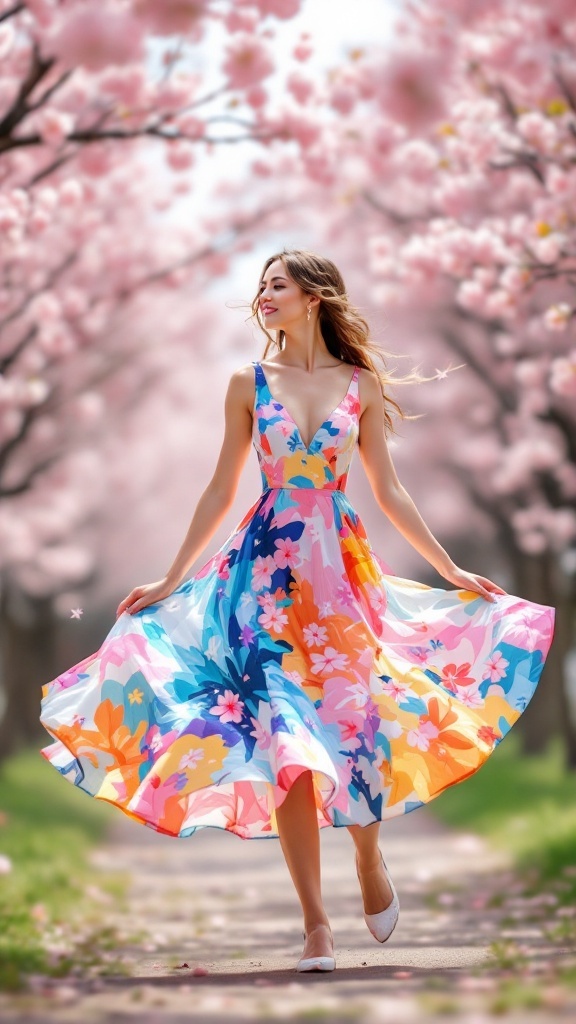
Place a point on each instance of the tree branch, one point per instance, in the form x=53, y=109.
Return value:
x=87, y=136
x=392, y=215
x=50, y=91
x=565, y=426
x=36, y=72
x=12, y=11
x=519, y=160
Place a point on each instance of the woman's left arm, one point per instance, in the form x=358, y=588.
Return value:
x=395, y=501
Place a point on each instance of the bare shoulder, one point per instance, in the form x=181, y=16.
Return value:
x=241, y=386
x=369, y=387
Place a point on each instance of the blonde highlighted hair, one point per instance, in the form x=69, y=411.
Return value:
x=345, y=332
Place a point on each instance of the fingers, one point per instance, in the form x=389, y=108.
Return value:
x=475, y=585
x=483, y=592
x=490, y=585
x=489, y=590
x=129, y=603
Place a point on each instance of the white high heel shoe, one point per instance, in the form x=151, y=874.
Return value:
x=383, y=924
x=315, y=963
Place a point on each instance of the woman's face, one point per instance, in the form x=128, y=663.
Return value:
x=282, y=302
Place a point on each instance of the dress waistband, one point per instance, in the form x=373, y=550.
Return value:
x=308, y=490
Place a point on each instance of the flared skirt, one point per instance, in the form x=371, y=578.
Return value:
x=294, y=648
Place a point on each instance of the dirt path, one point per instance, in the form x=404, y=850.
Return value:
x=226, y=906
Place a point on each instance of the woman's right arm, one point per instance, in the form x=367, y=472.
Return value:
x=217, y=497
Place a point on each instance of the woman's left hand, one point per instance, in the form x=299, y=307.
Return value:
x=472, y=581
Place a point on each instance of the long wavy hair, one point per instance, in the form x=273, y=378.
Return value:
x=345, y=332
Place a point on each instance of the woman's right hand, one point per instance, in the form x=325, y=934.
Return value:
x=141, y=597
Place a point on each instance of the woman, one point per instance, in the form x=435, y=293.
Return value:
x=293, y=682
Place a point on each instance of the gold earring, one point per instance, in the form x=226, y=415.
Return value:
x=309, y=312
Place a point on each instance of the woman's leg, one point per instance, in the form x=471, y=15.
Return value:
x=376, y=892
x=300, y=842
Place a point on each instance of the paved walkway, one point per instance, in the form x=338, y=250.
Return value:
x=211, y=931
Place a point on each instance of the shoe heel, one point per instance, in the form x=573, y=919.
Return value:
x=315, y=963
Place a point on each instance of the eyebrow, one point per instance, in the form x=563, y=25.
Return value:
x=277, y=278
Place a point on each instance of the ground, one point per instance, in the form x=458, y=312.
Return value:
x=469, y=946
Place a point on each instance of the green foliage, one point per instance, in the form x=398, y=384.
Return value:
x=47, y=828
x=524, y=804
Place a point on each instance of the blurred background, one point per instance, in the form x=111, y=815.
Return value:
x=152, y=156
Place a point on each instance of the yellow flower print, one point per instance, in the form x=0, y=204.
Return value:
x=136, y=696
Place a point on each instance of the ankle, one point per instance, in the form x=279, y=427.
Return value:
x=368, y=861
x=310, y=926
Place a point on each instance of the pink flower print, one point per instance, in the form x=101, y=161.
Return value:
x=378, y=601
x=328, y=661
x=360, y=693
x=229, y=707
x=497, y=666
x=344, y=594
x=190, y=759
x=267, y=601
x=295, y=677
x=262, y=737
x=315, y=635
x=273, y=619
x=454, y=676
x=286, y=552
x=420, y=654
x=525, y=633
x=470, y=696
x=325, y=610
x=421, y=736
x=397, y=689
x=348, y=730
x=122, y=648
x=158, y=741
x=262, y=571
x=155, y=743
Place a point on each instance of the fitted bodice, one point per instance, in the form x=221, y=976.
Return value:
x=284, y=459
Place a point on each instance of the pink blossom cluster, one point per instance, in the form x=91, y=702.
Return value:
x=460, y=142
x=84, y=256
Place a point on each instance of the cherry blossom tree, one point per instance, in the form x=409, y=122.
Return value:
x=461, y=144
x=88, y=93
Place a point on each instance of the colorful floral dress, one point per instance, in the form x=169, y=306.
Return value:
x=294, y=647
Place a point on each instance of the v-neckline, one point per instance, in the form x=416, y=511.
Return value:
x=307, y=447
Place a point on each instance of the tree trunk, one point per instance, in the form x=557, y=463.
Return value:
x=27, y=660
x=548, y=714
